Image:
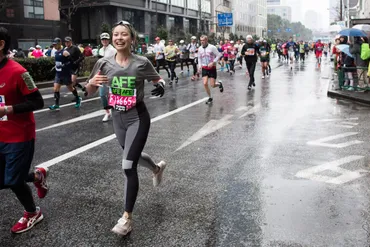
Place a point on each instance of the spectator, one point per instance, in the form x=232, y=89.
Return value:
x=347, y=63
x=54, y=49
x=365, y=52
x=20, y=54
x=88, y=51
x=37, y=53
x=48, y=52
x=81, y=47
x=30, y=51
x=355, y=50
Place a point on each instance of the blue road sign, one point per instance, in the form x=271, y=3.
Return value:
x=225, y=19
x=278, y=30
x=288, y=30
x=269, y=31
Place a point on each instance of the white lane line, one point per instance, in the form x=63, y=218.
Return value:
x=323, y=141
x=252, y=110
x=62, y=106
x=111, y=137
x=50, y=96
x=74, y=120
x=336, y=119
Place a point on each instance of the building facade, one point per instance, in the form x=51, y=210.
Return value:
x=285, y=12
x=31, y=22
x=178, y=17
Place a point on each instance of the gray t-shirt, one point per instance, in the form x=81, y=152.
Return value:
x=126, y=85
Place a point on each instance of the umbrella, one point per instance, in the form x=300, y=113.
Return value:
x=362, y=27
x=344, y=48
x=353, y=32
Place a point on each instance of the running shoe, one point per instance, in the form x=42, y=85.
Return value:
x=193, y=78
x=54, y=107
x=222, y=69
x=107, y=116
x=41, y=184
x=270, y=70
x=78, y=103
x=249, y=87
x=267, y=75
x=123, y=226
x=157, y=178
x=263, y=77
x=176, y=80
x=254, y=84
x=209, y=101
x=221, y=86
x=170, y=83
x=28, y=221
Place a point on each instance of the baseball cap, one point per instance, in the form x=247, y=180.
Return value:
x=193, y=37
x=170, y=40
x=249, y=37
x=57, y=41
x=38, y=46
x=182, y=41
x=67, y=39
x=264, y=41
x=157, y=38
x=232, y=42
x=104, y=36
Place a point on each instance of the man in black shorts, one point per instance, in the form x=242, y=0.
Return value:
x=76, y=58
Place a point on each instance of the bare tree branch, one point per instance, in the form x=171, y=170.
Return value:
x=4, y=4
x=70, y=9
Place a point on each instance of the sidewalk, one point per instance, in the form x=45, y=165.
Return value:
x=359, y=96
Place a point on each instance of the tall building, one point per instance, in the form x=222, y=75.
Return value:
x=261, y=17
x=31, y=22
x=284, y=12
x=177, y=16
x=312, y=19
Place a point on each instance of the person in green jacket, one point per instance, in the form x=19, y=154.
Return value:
x=365, y=51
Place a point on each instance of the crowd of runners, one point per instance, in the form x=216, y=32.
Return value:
x=119, y=77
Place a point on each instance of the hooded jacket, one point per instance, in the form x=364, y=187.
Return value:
x=355, y=50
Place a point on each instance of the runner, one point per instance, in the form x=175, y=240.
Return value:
x=250, y=52
x=193, y=52
x=221, y=62
x=76, y=58
x=19, y=97
x=263, y=52
x=302, y=50
x=208, y=56
x=268, y=58
x=225, y=59
x=171, y=53
x=63, y=72
x=159, y=56
x=107, y=50
x=291, y=48
x=125, y=74
x=232, y=51
x=239, y=57
x=318, y=52
x=184, y=57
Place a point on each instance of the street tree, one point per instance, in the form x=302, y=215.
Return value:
x=68, y=9
x=4, y=4
x=162, y=33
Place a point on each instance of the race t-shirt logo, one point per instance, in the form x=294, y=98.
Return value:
x=122, y=93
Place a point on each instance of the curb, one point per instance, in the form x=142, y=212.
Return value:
x=334, y=94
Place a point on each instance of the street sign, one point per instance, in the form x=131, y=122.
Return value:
x=288, y=30
x=225, y=19
x=341, y=23
x=278, y=30
x=269, y=31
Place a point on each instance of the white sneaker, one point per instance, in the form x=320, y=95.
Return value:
x=107, y=116
x=123, y=226
x=263, y=77
x=157, y=178
x=267, y=76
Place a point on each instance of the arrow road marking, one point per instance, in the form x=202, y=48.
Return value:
x=323, y=142
x=344, y=177
x=207, y=129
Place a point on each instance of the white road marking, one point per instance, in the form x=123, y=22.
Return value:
x=62, y=106
x=323, y=141
x=207, y=129
x=344, y=177
x=336, y=119
x=252, y=110
x=111, y=137
x=242, y=108
x=74, y=120
x=50, y=96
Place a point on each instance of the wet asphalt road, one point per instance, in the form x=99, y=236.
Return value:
x=281, y=165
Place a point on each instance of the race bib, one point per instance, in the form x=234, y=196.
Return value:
x=58, y=66
x=2, y=104
x=122, y=93
x=250, y=52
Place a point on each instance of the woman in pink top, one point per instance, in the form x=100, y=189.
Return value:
x=38, y=52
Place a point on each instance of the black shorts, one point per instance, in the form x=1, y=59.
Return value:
x=210, y=73
x=63, y=79
x=75, y=70
x=226, y=59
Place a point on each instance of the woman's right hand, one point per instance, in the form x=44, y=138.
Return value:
x=98, y=80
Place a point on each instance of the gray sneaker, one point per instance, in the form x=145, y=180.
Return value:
x=123, y=226
x=157, y=178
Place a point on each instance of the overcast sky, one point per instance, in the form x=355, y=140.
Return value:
x=299, y=8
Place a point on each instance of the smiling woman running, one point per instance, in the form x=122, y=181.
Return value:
x=124, y=74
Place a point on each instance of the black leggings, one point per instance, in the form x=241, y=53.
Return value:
x=132, y=129
x=232, y=62
x=162, y=62
x=240, y=59
x=184, y=60
x=251, y=67
x=172, y=65
x=195, y=69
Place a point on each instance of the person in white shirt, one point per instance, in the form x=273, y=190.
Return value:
x=193, y=53
x=239, y=57
x=107, y=50
x=208, y=55
x=159, y=56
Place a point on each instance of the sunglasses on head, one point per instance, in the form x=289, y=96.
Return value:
x=122, y=23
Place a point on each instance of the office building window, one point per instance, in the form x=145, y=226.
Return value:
x=180, y=3
x=10, y=13
x=34, y=9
